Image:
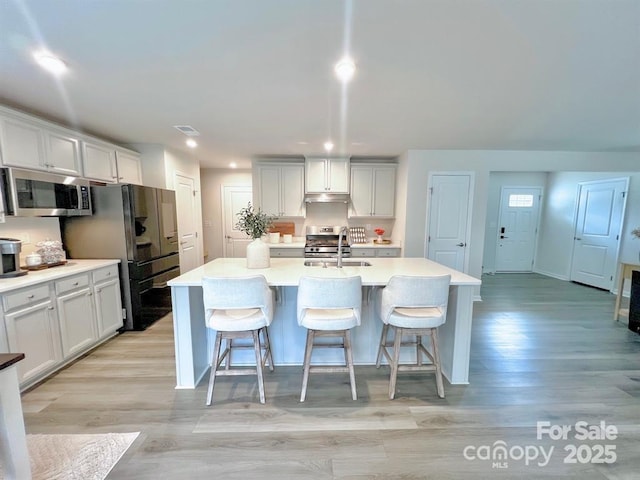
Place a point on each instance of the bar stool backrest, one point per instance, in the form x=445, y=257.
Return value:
x=237, y=293
x=330, y=293
x=415, y=292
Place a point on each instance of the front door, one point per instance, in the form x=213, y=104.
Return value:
x=517, y=229
x=448, y=220
x=235, y=198
x=597, y=232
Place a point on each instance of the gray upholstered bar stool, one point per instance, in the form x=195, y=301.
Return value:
x=412, y=305
x=329, y=307
x=238, y=308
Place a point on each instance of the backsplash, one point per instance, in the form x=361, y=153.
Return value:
x=30, y=230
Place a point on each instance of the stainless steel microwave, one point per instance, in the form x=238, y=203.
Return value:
x=27, y=193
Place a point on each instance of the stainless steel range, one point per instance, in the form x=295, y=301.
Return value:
x=323, y=242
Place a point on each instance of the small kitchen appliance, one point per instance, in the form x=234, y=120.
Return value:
x=323, y=241
x=10, y=252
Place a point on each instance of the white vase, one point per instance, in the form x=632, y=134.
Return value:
x=258, y=254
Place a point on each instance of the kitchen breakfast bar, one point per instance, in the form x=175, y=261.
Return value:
x=193, y=341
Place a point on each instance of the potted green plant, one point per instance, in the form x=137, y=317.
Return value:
x=255, y=223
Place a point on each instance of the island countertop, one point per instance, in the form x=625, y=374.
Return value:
x=286, y=272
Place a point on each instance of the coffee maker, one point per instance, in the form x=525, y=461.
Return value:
x=10, y=253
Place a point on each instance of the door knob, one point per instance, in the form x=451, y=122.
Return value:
x=461, y=244
x=502, y=236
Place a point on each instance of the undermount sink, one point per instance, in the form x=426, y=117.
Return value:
x=334, y=263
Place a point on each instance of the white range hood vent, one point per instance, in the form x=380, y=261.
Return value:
x=327, y=198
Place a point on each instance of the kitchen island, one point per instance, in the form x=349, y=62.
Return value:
x=193, y=341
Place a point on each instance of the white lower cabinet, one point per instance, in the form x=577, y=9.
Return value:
x=53, y=322
x=77, y=317
x=106, y=295
x=375, y=252
x=33, y=329
x=287, y=252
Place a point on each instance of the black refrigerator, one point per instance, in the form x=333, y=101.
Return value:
x=138, y=225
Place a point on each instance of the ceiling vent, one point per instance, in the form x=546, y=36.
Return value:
x=188, y=130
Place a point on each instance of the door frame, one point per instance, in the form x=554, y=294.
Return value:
x=619, y=233
x=472, y=184
x=538, y=223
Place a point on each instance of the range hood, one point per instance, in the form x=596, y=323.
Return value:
x=327, y=198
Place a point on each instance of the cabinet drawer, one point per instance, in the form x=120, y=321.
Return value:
x=105, y=274
x=388, y=252
x=72, y=283
x=26, y=296
x=287, y=252
x=363, y=252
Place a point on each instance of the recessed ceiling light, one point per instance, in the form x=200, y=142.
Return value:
x=328, y=145
x=345, y=69
x=50, y=62
x=233, y=165
x=191, y=143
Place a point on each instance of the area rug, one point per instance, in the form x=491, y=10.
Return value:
x=76, y=457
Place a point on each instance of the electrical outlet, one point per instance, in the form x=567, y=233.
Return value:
x=24, y=238
x=368, y=226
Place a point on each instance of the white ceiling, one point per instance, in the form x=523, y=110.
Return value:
x=255, y=76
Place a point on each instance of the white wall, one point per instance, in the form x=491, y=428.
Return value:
x=498, y=180
x=30, y=230
x=555, y=244
x=483, y=162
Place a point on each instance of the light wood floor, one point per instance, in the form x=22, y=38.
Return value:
x=542, y=350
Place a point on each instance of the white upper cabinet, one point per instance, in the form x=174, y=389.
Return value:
x=31, y=144
x=129, y=167
x=99, y=161
x=373, y=189
x=327, y=175
x=281, y=189
x=106, y=163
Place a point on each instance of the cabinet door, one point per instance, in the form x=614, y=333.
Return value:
x=108, y=307
x=77, y=322
x=292, y=191
x=361, y=183
x=384, y=191
x=270, y=189
x=129, y=168
x=99, y=162
x=338, y=175
x=22, y=144
x=62, y=153
x=34, y=332
x=315, y=176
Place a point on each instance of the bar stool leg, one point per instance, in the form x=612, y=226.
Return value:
x=227, y=365
x=307, y=364
x=214, y=367
x=418, y=353
x=267, y=342
x=436, y=358
x=395, y=362
x=349, y=358
x=383, y=341
x=258, y=350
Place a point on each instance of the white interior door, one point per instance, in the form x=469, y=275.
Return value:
x=234, y=198
x=597, y=232
x=448, y=220
x=517, y=229
x=187, y=225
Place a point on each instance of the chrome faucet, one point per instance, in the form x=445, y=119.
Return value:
x=345, y=230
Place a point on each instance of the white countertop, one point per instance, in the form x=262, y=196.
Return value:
x=46, y=274
x=287, y=271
